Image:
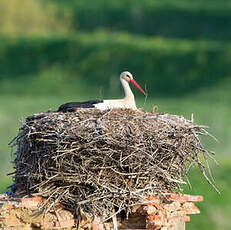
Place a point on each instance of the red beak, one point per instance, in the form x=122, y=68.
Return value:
x=137, y=86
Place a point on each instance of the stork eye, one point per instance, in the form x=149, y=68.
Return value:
x=128, y=76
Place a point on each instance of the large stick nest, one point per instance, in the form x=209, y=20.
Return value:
x=101, y=161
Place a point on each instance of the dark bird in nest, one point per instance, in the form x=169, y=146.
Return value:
x=128, y=102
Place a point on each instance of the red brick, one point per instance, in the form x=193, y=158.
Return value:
x=187, y=218
x=31, y=202
x=152, y=226
x=193, y=210
x=177, y=218
x=65, y=223
x=13, y=221
x=35, y=199
x=96, y=224
x=150, y=209
x=135, y=208
x=185, y=197
x=150, y=198
x=10, y=206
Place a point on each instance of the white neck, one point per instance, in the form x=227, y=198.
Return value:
x=127, y=89
x=127, y=102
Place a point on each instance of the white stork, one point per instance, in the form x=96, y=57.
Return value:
x=127, y=102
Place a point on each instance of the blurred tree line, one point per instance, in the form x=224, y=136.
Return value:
x=27, y=17
x=177, y=46
x=198, y=19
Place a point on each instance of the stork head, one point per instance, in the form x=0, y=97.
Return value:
x=127, y=76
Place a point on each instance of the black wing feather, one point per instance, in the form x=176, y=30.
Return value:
x=71, y=106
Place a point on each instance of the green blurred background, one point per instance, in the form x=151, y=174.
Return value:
x=54, y=51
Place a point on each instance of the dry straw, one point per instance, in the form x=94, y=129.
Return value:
x=102, y=162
